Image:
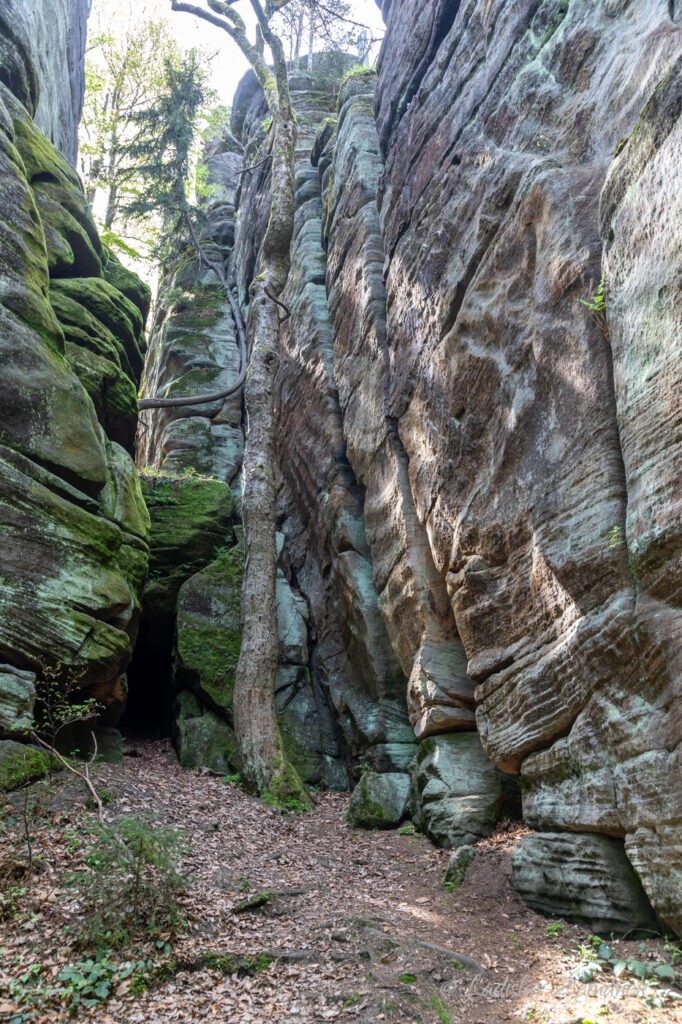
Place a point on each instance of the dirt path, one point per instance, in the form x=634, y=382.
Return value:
x=362, y=930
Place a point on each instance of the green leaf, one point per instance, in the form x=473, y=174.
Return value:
x=664, y=971
x=637, y=968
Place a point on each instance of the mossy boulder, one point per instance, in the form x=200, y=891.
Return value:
x=202, y=738
x=458, y=865
x=21, y=764
x=208, y=631
x=379, y=801
x=191, y=517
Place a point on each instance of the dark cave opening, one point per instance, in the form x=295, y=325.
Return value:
x=149, y=705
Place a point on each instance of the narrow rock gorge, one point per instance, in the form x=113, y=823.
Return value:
x=478, y=460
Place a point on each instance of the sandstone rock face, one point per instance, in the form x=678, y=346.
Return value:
x=42, y=45
x=73, y=547
x=201, y=737
x=586, y=877
x=193, y=346
x=191, y=521
x=353, y=668
x=412, y=594
x=456, y=793
x=542, y=454
x=206, y=652
x=478, y=475
x=17, y=697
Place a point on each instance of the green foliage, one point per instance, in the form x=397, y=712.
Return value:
x=161, y=154
x=114, y=241
x=60, y=703
x=597, y=307
x=597, y=304
x=441, y=1008
x=407, y=979
x=555, y=929
x=138, y=137
x=11, y=903
x=616, y=538
x=130, y=883
x=596, y=956
x=408, y=830
x=81, y=985
x=358, y=71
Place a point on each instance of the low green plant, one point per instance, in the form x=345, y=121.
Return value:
x=556, y=929
x=597, y=307
x=407, y=830
x=616, y=538
x=11, y=900
x=441, y=1008
x=130, y=883
x=81, y=985
x=596, y=956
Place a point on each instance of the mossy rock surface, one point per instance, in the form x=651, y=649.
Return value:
x=379, y=801
x=17, y=697
x=458, y=865
x=201, y=738
x=21, y=764
x=112, y=392
x=208, y=631
x=110, y=307
x=191, y=519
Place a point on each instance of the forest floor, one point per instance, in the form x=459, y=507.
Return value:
x=294, y=918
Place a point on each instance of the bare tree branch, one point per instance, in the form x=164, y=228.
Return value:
x=83, y=776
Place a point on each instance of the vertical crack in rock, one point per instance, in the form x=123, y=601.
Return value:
x=412, y=594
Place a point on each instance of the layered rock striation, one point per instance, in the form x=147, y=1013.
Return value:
x=73, y=543
x=528, y=152
x=42, y=61
x=478, y=428
x=478, y=441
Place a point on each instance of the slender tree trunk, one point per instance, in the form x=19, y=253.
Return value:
x=299, y=38
x=311, y=39
x=112, y=203
x=262, y=759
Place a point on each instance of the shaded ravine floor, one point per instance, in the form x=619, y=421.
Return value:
x=363, y=930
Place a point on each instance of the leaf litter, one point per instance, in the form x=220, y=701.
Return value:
x=301, y=919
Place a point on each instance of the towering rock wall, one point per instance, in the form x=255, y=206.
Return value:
x=479, y=474
x=528, y=151
x=73, y=537
x=42, y=59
